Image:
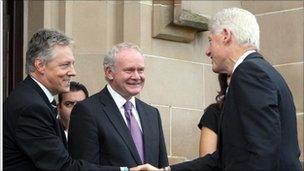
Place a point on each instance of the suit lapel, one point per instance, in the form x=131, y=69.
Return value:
x=116, y=119
x=254, y=55
x=30, y=82
x=145, y=125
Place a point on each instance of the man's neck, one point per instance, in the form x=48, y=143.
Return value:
x=235, y=56
x=41, y=81
x=49, y=95
x=114, y=90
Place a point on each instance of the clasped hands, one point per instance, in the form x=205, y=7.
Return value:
x=148, y=167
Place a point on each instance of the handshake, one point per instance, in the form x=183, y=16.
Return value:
x=148, y=167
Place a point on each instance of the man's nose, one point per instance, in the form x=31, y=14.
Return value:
x=136, y=75
x=72, y=71
x=208, y=53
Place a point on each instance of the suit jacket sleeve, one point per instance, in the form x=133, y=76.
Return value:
x=83, y=141
x=207, y=163
x=256, y=99
x=163, y=158
x=36, y=136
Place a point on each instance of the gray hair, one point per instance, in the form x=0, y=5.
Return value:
x=110, y=58
x=42, y=45
x=242, y=24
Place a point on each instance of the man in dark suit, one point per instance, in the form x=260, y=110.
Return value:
x=258, y=129
x=33, y=139
x=67, y=100
x=113, y=127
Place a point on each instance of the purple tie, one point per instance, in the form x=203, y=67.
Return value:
x=134, y=129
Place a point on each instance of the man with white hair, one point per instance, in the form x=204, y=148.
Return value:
x=258, y=129
x=113, y=127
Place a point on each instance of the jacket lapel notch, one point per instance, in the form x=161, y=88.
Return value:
x=116, y=119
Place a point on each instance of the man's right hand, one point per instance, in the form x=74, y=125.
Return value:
x=145, y=167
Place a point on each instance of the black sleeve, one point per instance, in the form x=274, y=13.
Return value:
x=36, y=136
x=210, y=117
x=83, y=137
x=207, y=163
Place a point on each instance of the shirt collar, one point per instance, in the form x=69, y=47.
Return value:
x=241, y=59
x=45, y=90
x=119, y=100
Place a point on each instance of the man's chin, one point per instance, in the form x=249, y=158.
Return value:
x=215, y=70
x=135, y=92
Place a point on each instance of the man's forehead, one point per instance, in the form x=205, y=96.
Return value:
x=71, y=93
x=128, y=52
x=63, y=51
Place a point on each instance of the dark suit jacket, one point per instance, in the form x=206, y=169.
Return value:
x=33, y=137
x=99, y=134
x=258, y=128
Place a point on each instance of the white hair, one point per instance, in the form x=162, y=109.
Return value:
x=242, y=24
x=110, y=58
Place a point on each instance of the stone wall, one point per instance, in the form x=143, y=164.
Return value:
x=179, y=79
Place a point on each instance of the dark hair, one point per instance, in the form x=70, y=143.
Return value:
x=75, y=86
x=222, y=78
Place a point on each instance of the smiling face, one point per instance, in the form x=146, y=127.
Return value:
x=217, y=52
x=128, y=77
x=55, y=74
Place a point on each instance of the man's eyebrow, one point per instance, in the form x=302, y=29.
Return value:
x=70, y=101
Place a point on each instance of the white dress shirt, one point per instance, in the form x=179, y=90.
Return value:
x=45, y=90
x=120, y=101
x=241, y=59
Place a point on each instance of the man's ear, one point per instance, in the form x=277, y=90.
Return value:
x=39, y=65
x=109, y=73
x=227, y=35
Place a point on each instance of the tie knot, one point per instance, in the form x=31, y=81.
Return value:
x=54, y=104
x=128, y=106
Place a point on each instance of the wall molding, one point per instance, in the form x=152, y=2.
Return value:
x=171, y=22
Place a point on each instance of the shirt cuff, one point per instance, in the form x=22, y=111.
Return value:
x=124, y=169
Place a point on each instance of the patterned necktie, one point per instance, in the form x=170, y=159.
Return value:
x=54, y=105
x=134, y=129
